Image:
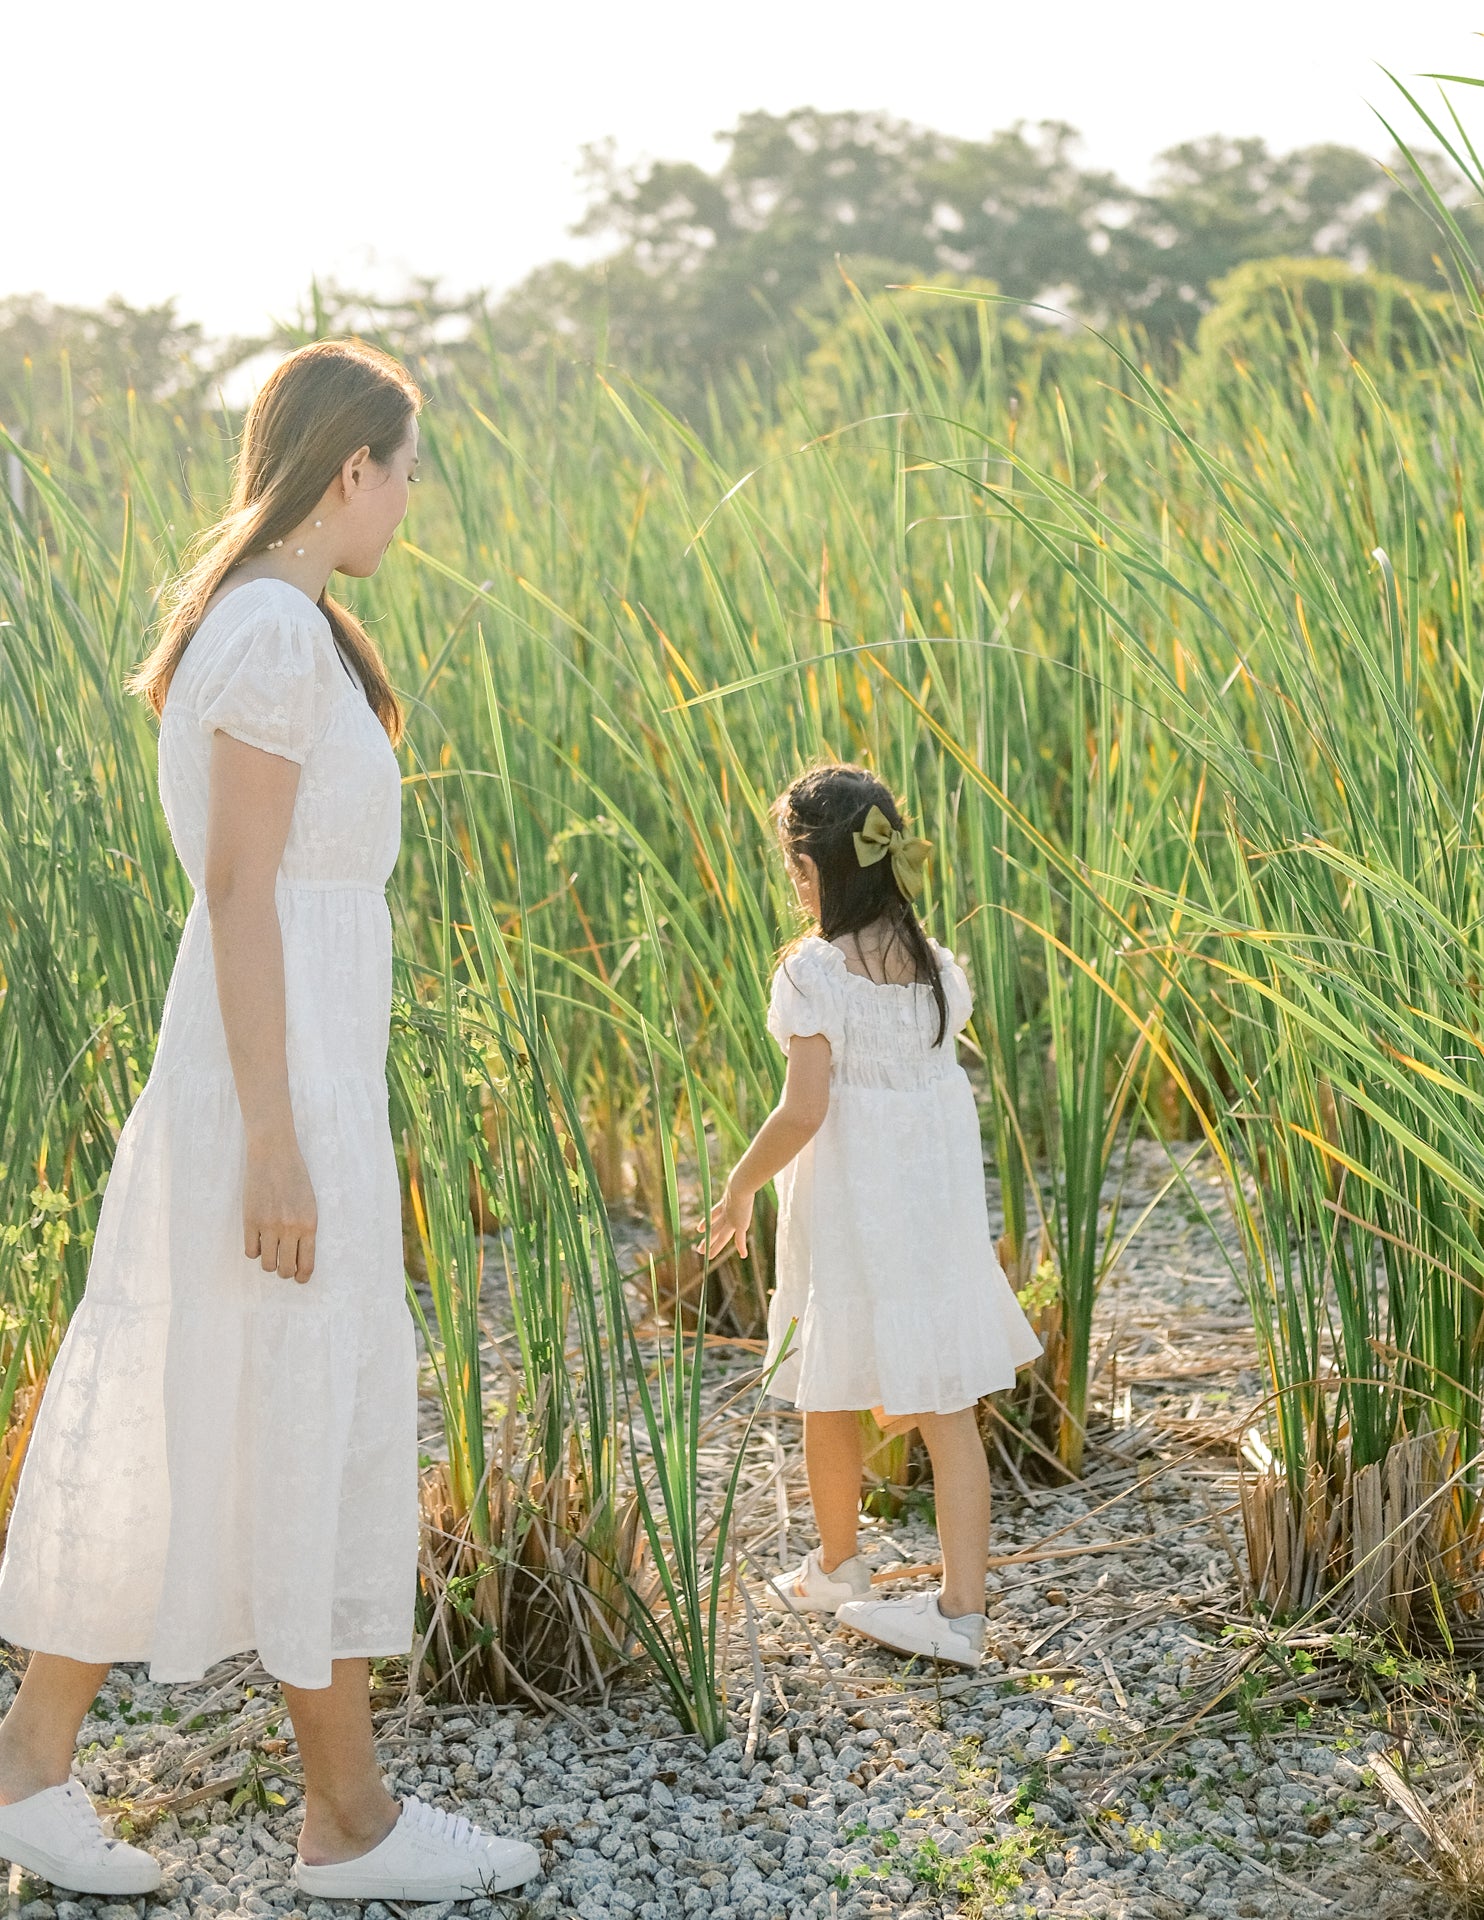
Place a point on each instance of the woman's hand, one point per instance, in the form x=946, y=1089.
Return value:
x=731, y=1221
x=279, y=1214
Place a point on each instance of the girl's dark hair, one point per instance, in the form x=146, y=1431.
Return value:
x=820, y=814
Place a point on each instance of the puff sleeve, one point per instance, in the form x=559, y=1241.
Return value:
x=261, y=684
x=807, y=997
x=956, y=989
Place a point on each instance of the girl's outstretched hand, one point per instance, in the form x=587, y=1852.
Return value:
x=785, y=1133
x=730, y=1222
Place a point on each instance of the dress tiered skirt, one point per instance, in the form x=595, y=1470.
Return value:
x=224, y=1459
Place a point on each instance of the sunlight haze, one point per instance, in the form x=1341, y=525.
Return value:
x=226, y=157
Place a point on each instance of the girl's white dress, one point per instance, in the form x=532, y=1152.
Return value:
x=884, y=1252
x=224, y=1460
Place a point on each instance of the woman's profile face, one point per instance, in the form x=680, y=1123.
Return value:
x=375, y=505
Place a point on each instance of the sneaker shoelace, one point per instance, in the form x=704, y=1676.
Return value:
x=82, y=1817
x=451, y=1828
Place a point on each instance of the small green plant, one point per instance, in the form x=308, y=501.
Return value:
x=1257, y=1721
x=1041, y=1290
x=985, y=1874
x=1030, y=1789
x=253, y=1789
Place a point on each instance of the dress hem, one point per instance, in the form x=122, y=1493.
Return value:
x=901, y=1413
x=189, y=1679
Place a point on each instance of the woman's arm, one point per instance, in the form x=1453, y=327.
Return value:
x=249, y=809
x=788, y=1129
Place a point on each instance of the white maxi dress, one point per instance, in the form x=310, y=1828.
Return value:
x=225, y=1460
x=884, y=1256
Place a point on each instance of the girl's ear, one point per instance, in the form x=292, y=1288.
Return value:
x=805, y=873
x=808, y=886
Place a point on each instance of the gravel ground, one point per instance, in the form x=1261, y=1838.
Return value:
x=1074, y=1773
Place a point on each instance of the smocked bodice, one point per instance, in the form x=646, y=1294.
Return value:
x=880, y=1034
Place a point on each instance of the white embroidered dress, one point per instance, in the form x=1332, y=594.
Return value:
x=223, y=1459
x=884, y=1251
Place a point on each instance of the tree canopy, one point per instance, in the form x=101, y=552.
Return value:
x=743, y=264
x=707, y=268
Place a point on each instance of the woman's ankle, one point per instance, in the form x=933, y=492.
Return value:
x=24, y=1771
x=832, y=1565
x=336, y=1831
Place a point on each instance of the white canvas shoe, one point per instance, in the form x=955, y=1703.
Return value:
x=428, y=1855
x=807, y=1588
x=57, y=1836
x=916, y=1624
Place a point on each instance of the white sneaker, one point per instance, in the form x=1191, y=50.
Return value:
x=428, y=1855
x=807, y=1588
x=916, y=1624
x=56, y=1834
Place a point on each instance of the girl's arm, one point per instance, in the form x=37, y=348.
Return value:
x=250, y=806
x=788, y=1129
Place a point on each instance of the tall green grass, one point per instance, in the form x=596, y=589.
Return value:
x=1183, y=680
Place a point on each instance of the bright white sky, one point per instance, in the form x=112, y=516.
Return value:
x=225, y=154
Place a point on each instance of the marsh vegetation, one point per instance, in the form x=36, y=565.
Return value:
x=1180, y=658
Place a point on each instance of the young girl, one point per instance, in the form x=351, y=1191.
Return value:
x=226, y=1452
x=885, y=1269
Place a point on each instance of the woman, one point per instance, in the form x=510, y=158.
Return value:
x=225, y=1455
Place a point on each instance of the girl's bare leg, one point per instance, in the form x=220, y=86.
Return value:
x=961, y=1494
x=832, y=1454
x=347, y=1809
x=38, y=1735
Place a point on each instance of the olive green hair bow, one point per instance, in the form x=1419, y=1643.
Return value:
x=877, y=839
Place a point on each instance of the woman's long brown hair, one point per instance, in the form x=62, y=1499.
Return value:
x=313, y=412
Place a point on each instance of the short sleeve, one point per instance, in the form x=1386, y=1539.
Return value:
x=261, y=683
x=807, y=998
x=956, y=989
